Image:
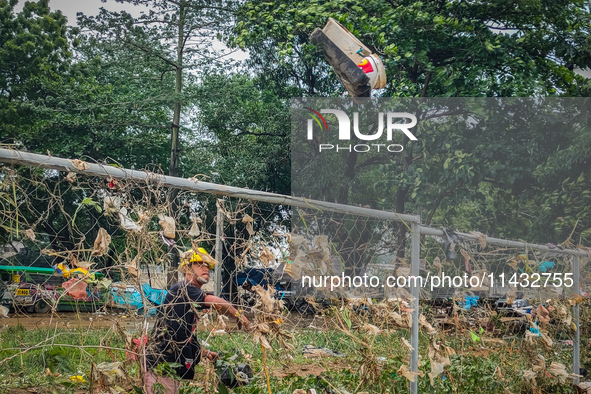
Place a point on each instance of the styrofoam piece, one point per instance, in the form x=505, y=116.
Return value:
x=347, y=42
x=373, y=67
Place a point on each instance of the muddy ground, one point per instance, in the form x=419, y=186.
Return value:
x=129, y=321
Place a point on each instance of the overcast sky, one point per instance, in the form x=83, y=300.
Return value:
x=92, y=7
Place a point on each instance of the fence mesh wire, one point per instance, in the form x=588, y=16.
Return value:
x=307, y=331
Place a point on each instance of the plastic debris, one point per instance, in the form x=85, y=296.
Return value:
x=76, y=288
x=4, y=311
x=156, y=296
x=101, y=243
x=79, y=164
x=168, y=242
x=133, y=267
x=111, y=205
x=407, y=373
x=438, y=361
x=267, y=256
x=313, y=351
x=451, y=238
x=195, y=231
x=530, y=376
x=535, y=330
x=546, y=265
x=373, y=67
x=168, y=226
x=249, y=223
x=371, y=329
x=407, y=344
x=30, y=234
x=136, y=347
x=107, y=374
x=469, y=302
x=71, y=177
x=266, y=297
x=559, y=370
x=584, y=387
x=236, y=376
x=546, y=340
x=543, y=315
x=126, y=222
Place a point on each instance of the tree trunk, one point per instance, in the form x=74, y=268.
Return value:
x=173, y=170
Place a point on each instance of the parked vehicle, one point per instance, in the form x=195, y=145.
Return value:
x=31, y=289
x=239, y=289
x=34, y=289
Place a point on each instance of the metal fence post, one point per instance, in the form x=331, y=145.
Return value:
x=219, y=238
x=577, y=342
x=414, y=333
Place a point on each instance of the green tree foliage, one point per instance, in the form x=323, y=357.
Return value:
x=174, y=37
x=33, y=47
x=242, y=129
x=55, y=101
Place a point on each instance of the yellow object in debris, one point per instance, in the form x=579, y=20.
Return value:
x=78, y=379
x=81, y=272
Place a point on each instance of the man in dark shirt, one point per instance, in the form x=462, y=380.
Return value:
x=172, y=336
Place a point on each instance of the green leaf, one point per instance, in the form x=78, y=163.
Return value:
x=89, y=201
x=223, y=389
x=345, y=315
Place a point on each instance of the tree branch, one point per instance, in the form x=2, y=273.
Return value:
x=246, y=132
x=373, y=161
x=427, y=80
x=492, y=182
x=153, y=54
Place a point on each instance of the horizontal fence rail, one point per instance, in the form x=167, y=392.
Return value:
x=105, y=171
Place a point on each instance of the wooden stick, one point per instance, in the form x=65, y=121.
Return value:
x=265, y=366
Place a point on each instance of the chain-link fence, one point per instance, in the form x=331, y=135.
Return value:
x=328, y=288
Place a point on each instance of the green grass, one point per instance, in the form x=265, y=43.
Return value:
x=71, y=352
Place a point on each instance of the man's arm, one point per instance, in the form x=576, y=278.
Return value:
x=225, y=308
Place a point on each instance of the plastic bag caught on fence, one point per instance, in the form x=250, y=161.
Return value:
x=126, y=222
x=168, y=226
x=195, y=231
x=101, y=243
x=249, y=224
x=407, y=373
x=133, y=267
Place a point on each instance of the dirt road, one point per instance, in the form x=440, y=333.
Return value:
x=74, y=320
x=129, y=321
